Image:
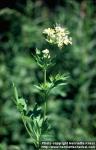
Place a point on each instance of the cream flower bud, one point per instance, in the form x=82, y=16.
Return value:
x=48, y=56
x=37, y=51
x=46, y=51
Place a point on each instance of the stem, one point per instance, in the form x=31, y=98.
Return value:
x=45, y=104
x=29, y=131
x=44, y=76
x=45, y=108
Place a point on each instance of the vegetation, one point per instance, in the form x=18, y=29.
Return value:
x=71, y=108
x=36, y=120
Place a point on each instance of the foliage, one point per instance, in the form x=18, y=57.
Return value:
x=72, y=107
x=36, y=120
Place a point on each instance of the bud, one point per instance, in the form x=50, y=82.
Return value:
x=38, y=51
x=46, y=51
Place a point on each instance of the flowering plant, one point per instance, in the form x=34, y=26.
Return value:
x=58, y=35
x=36, y=120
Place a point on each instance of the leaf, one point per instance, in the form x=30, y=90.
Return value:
x=21, y=104
x=38, y=87
x=58, y=80
x=15, y=92
x=37, y=111
x=45, y=125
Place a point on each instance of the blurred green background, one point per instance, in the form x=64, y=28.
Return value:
x=72, y=108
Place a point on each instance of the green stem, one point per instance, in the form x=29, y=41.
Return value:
x=29, y=131
x=26, y=126
x=44, y=76
x=45, y=104
x=45, y=108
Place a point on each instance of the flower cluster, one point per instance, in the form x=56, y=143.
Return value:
x=58, y=35
x=45, y=53
x=43, y=58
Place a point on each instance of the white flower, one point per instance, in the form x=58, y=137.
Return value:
x=48, y=56
x=45, y=51
x=49, y=31
x=59, y=30
x=58, y=35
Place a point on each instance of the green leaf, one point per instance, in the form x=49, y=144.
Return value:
x=21, y=104
x=45, y=125
x=21, y=101
x=15, y=92
x=37, y=111
x=59, y=80
x=38, y=87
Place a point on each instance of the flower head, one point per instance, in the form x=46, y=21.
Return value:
x=49, y=31
x=58, y=35
x=46, y=53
